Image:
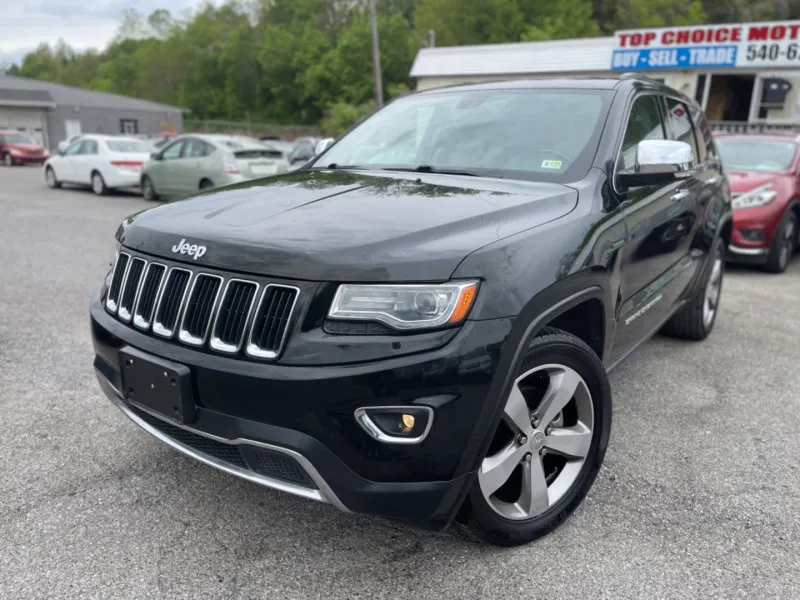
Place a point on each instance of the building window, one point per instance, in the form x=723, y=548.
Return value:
x=129, y=126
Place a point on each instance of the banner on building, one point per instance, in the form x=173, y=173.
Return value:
x=740, y=46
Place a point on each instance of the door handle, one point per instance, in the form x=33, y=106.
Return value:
x=678, y=196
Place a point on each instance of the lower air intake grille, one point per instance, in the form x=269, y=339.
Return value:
x=272, y=320
x=259, y=460
x=171, y=300
x=228, y=453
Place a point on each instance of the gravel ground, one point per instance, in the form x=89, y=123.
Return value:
x=699, y=496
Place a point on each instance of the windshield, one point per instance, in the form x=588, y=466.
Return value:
x=524, y=134
x=128, y=146
x=19, y=138
x=753, y=154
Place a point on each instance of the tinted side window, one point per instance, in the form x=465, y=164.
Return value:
x=173, y=151
x=644, y=123
x=681, y=125
x=89, y=147
x=704, y=137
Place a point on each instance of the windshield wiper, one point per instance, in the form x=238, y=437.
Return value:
x=338, y=167
x=431, y=169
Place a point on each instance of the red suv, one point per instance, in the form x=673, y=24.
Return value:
x=763, y=171
x=17, y=148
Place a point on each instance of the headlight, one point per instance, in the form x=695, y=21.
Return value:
x=405, y=307
x=757, y=197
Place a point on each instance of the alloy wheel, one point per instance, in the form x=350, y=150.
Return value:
x=97, y=184
x=787, y=244
x=712, y=294
x=8, y=161
x=542, y=444
x=50, y=177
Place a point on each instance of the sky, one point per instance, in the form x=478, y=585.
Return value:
x=24, y=24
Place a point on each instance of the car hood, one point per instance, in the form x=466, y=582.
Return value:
x=345, y=225
x=744, y=181
x=26, y=147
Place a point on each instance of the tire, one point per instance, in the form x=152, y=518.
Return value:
x=51, y=179
x=206, y=184
x=148, y=189
x=98, y=184
x=522, y=453
x=7, y=160
x=696, y=319
x=784, y=245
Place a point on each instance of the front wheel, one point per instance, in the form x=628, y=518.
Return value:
x=549, y=445
x=51, y=179
x=7, y=160
x=784, y=245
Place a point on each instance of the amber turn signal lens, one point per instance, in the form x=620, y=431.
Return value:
x=464, y=303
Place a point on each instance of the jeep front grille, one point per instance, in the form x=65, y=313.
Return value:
x=202, y=309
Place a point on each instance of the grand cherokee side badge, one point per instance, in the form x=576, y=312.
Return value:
x=193, y=250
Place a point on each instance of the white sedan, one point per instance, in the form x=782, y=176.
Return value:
x=101, y=162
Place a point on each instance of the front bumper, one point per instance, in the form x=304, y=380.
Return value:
x=739, y=254
x=293, y=428
x=28, y=160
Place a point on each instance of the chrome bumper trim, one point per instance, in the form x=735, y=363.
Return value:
x=747, y=251
x=322, y=494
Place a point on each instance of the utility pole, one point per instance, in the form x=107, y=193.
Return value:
x=431, y=39
x=376, y=55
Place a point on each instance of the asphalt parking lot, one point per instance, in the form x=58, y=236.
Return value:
x=699, y=496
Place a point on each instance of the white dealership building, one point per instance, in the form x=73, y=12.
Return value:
x=745, y=75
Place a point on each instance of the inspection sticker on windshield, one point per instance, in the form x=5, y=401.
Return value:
x=551, y=164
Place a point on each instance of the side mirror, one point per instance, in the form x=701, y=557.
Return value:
x=60, y=152
x=323, y=145
x=155, y=155
x=658, y=162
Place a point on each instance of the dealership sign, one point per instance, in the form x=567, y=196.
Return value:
x=748, y=45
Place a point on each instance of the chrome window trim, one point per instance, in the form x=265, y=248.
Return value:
x=254, y=350
x=112, y=306
x=183, y=334
x=323, y=493
x=138, y=320
x=122, y=313
x=218, y=344
x=158, y=328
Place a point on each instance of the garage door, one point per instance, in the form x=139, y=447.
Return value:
x=30, y=120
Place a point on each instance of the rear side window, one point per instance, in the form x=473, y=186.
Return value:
x=681, y=126
x=644, y=123
x=704, y=137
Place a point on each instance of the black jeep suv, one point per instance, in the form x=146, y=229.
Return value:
x=418, y=324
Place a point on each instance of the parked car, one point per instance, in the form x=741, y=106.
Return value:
x=300, y=155
x=201, y=161
x=101, y=162
x=17, y=148
x=764, y=172
x=64, y=144
x=427, y=338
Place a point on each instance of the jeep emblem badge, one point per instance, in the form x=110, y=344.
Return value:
x=193, y=250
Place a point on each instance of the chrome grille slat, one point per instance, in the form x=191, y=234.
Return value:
x=199, y=308
x=230, y=323
x=273, y=312
x=223, y=314
x=115, y=289
x=170, y=304
x=130, y=290
x=146, y=302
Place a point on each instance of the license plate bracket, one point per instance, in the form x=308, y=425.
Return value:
x=158, y=384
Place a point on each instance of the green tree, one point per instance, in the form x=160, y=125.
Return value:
x=459, y=22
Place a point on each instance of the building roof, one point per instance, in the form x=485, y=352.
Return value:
x=67, y=95
x=35, y=98
x=578, y=55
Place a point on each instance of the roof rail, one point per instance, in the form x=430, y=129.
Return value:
x=639, y=76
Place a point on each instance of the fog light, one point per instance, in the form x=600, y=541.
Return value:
x=752, y=235
x=396, y=424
